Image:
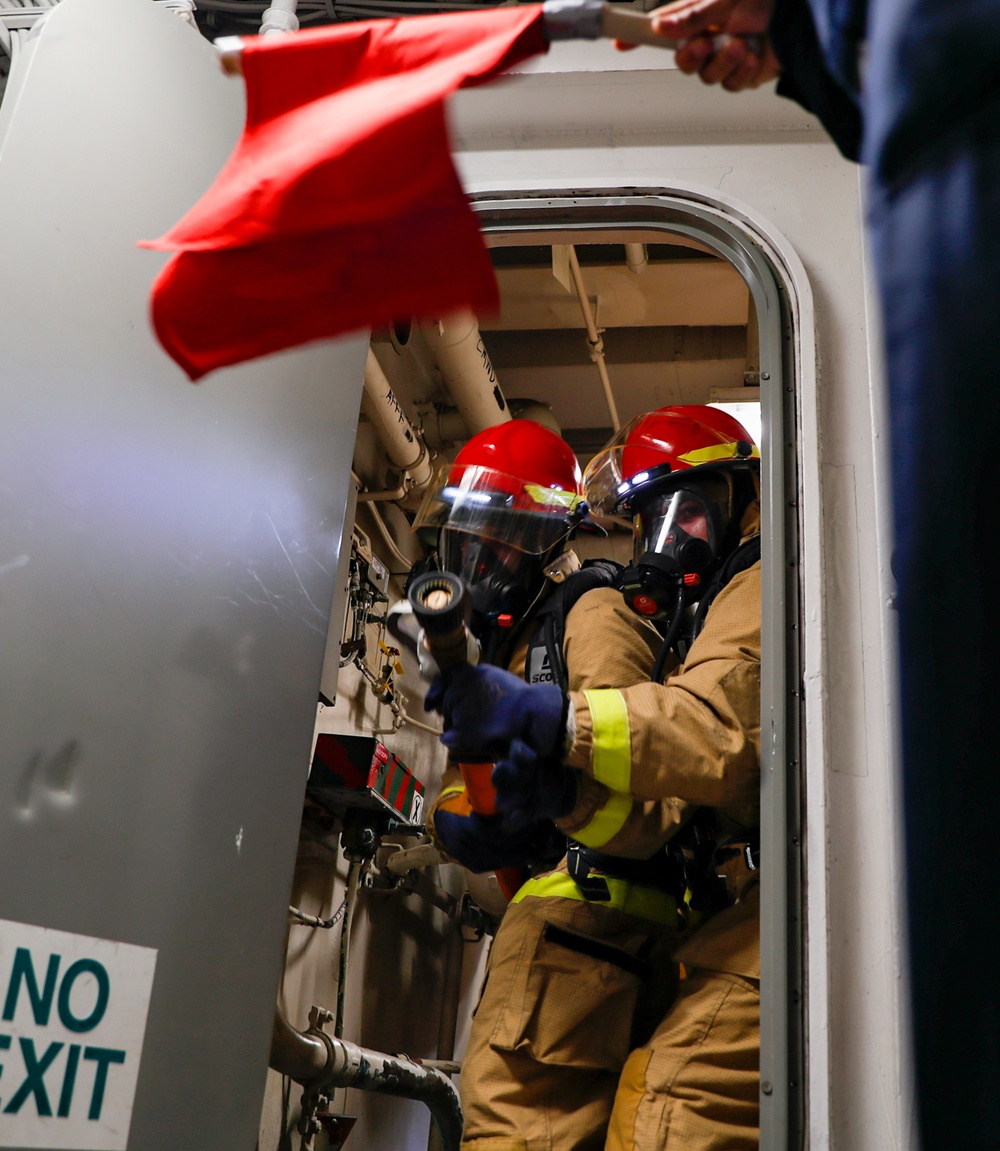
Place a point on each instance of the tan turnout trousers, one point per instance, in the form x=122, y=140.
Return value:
x=694, y=1086
x=554, y=1027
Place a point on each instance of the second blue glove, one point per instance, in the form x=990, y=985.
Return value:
x=530, y=788
x=484, y=843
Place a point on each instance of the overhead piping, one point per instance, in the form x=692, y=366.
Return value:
x=465, y=367
x=401, y=441
x=440, y=426
x=594, y=339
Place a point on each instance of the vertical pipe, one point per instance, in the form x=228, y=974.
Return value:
x=353, y=876
x=450, y=994
x=280, y=18
x=636, y=257
x=593, y=337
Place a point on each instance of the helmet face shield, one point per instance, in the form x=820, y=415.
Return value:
x=497, y=531
x=602, y=477
x=492, y=505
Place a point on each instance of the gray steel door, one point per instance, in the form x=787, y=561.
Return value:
x=167, y=561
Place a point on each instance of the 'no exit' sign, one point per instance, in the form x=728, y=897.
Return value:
x=72, y=1021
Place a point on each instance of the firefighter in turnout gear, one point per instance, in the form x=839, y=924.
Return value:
x=688, y=478
x=580, y=960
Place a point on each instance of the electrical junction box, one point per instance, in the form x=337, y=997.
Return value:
x=358, y=771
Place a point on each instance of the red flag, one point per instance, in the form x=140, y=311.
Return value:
x=340, y=207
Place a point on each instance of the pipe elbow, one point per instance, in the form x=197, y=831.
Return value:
x=304, y=1056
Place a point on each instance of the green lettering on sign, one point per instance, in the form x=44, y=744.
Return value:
x=4, y=1046
x=69, y=1081
x=24, y=971
x=103, y=1057
x=100, y=973
x=34, y=1084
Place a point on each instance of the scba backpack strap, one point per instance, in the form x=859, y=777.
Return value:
x=715, y=873
x=545, y=662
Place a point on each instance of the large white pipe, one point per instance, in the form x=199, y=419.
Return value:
x=447, y=425
x=397, y=435
x=464, y=363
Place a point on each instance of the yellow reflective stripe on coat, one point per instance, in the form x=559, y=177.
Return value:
x=606, y=822
x=642, y=902
x=612, y=759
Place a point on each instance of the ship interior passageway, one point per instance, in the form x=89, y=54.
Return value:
x=596, y=326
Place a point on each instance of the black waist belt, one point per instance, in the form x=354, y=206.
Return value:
x=694, y=869
x=660, y=871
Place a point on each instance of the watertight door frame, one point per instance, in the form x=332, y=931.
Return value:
x=782, y=1055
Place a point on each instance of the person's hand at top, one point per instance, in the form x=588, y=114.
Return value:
x=724, y=41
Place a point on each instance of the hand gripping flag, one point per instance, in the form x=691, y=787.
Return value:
x=340, y=207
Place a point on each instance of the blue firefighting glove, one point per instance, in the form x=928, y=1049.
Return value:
x=529, y=787
x=486, y=708
x=480, y=843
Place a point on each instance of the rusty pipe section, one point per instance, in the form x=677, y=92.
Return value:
x=315, y=1059
x=301, y=1055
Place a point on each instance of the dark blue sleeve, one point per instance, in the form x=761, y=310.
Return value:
x=807, y=78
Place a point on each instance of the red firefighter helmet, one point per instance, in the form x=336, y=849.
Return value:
x=502, y=510
x=525, y=449
x=655, y=445
x=517, y=483
x=685, y=475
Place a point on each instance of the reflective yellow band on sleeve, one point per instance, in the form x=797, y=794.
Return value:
x=612, y=762
x=607, y=821
x=643, y=902
x=454, y=799
x=453, y=790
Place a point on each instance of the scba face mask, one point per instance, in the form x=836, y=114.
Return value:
x=502, y=580
x=678, y=538
x=684, y=528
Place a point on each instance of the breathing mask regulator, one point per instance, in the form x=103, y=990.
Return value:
x=501, y=581
x=681, y=538
x=677, y=543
